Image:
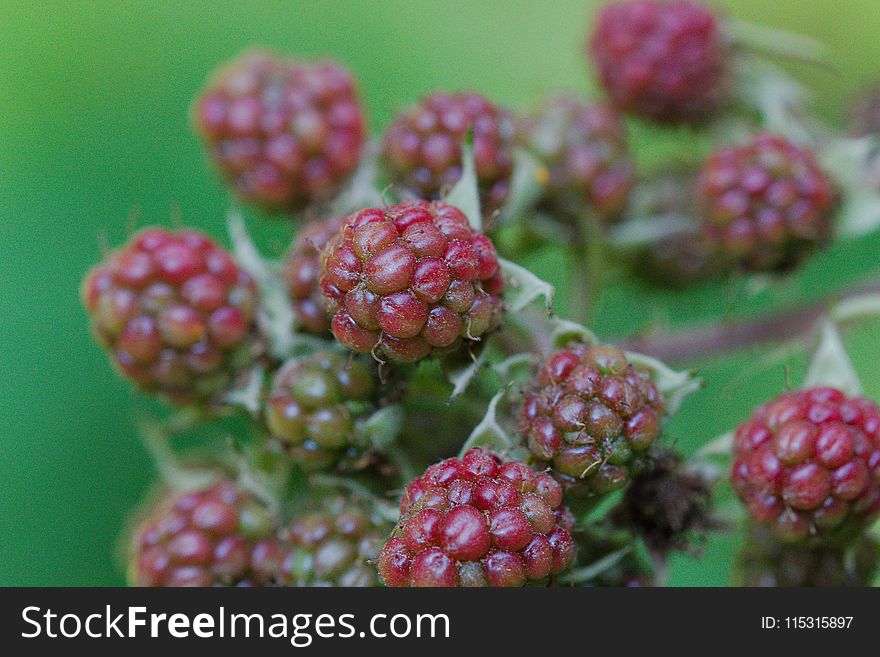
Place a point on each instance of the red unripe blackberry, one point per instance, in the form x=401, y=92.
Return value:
x=422, y=146
x=765, y=204
x=764, y=561
x=201, y=538
x=591, y=415
x=176, y=313
x=411, y=280
x=478, y=521
x=666, y=61
x=314, y=407
x=807, y=465
x=284, y=133
x=584, y=149
x=335, y=546
x=302, y=273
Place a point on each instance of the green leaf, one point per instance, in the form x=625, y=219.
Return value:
x=523, y=287
x=566, y=331
x=465, y=194
x=526, y=185
x=361, y=191
x=849, y=162
x=275, y=314
x=383, y=427
x=831, y=365
x=462, y=377
x=489, y=433
x=778, y=42
x=675, y=385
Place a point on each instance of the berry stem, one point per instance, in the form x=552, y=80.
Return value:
x=794, y=323
x=586, y=268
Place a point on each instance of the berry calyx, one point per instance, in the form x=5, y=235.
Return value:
x=807, y=465
x=314, y=406
x=422, y=146
x=666, y=61
x=175, y=312
x=766, y=204
x=284, y=133
x=583, y=146
x=411, y=280
x=204, y=537
x=302, y=272
x=592, y=416
x=478, y=521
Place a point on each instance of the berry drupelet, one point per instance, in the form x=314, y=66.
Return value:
x=284, y=133
x=302, y=272
x=807, y=465
x=764, y=205
x=314, y=407
x=176, y=313
x=665, y=61
x=411, y=280
x=205, y=537
x=583, y=146
x=422, y=146
x=591, y=415
x=478, y=521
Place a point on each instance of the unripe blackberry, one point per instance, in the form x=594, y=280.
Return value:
x=666, y=61
x=478, y=521
x=591, y=415
x=764, y=561
x=302, y=272
x=422, y=146
x=584, y=149
x=807, y=465
x=411, y=280
x=314, y=407
x=176, y=313
x=284, y=133
x=766, y=204
x=201, y=538
x=336, y=546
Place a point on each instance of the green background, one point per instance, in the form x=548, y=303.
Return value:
x=94, y=130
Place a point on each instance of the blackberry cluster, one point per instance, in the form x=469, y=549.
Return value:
x=478, y=521
x=284, y=133
x=411, y=280
x=808, y=465
x=765, y=204
x=206, y=537
x=422, y=146
x=314, y=406
x=583, y=146
x=302, y=273
x=176, y=313
x=666, y=61
x=592, y=416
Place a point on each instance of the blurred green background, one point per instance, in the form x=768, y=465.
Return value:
x=94, y=100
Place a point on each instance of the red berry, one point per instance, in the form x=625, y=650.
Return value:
x=205, y=537
x=765, y=204
x=314, y=406
x=422, y=146
x=175, y=312
x=478, y=521
x=302, y=271
x=591, y=415
x=409, y=281
x=584, y=149
x=667, y=61
x=284, y=133
x=807, y=465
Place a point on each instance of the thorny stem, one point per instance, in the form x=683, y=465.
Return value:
x=688, y=345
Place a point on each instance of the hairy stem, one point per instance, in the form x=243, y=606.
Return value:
x=584, y=279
